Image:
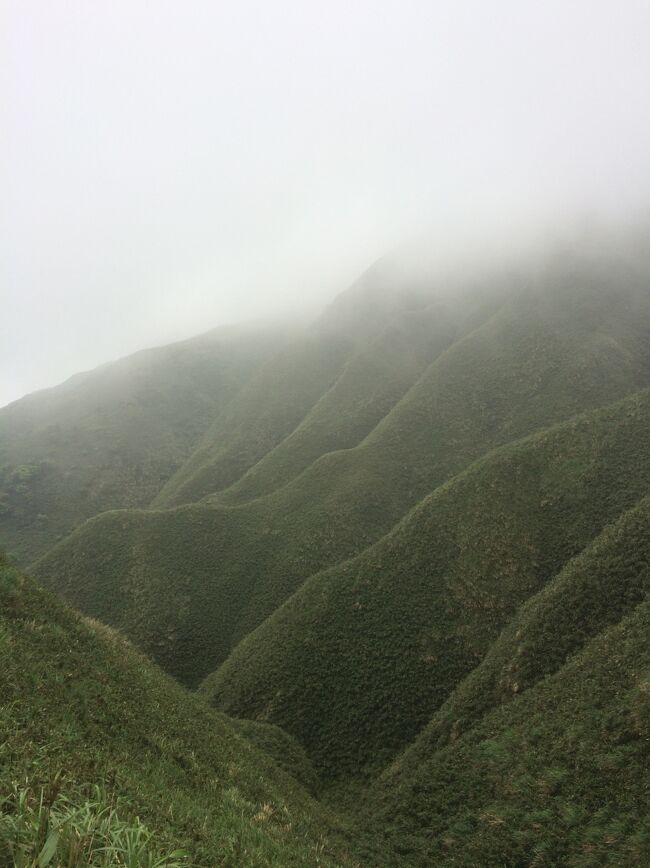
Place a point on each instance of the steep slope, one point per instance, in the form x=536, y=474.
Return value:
x=200, y=562
x=422, y=559
x=559, y=772
x=266, y=411
x=323, y=370
x=111, y=437
x=576, y=329
x=369, y=386
x=111, y=744
x=186, y=584
x=358, y=660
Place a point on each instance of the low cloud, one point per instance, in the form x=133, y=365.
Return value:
x=169, y=167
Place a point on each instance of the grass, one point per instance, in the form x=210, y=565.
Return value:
x=187, y=584
x=418, y=574
x=47, y=828
x=80, y=709
x=554, y=772
x=360, y=658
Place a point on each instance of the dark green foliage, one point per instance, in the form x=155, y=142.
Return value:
x=285, y=750
x=559, y=773
x=79, y=708
x=200, y=562
x=357, y=661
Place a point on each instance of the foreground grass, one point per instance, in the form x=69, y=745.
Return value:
x=99, y=749
x=48, y=828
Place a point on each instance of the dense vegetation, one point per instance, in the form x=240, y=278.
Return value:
x=99, y=745
x=558, y=772
x=406, y=550
x=521, y=361
x=357, y=661
x=333, y=374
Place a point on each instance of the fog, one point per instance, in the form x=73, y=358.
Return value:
x=167, y=167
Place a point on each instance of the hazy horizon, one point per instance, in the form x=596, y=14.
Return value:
x=170, y=168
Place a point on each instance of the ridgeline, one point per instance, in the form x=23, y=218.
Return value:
x=399, y=562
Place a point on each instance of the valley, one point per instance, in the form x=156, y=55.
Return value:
x=372, y=591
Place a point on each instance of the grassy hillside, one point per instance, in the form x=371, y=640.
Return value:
x=369, y=386
x=358, y=660
x=558, y=772
x=333, y=375
x=100, y=745
x=111, y=437
x=266, y=411
x=187, y=584
x=410, y=550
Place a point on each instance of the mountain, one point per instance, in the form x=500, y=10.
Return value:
x=403, y=557
x=186, y=584
x=357, y=661
x=99, y=746
x=325, y=391
x=110, y=438
x=550, y=767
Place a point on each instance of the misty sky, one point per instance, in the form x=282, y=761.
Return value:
x=169, y=166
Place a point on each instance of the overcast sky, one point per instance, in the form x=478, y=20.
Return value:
x=169, y=166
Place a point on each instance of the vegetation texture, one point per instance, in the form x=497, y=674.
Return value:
x=406, y=550
x=187, y=584
x=107, y=761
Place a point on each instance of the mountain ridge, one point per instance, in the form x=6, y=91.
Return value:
x=385, y=696
x=402, y=554
x=531, y=363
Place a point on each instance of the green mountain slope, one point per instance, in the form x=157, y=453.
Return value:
x=266, y=411
x=369, y=386
x=321, y=375
x=111, y=437
x=358, y=660
x=559, y=772
x=112, y=744
x=407, y=548
x=187, y=584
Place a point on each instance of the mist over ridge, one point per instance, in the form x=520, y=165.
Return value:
x=325, y=434
x=165, y=173
x=445, y=259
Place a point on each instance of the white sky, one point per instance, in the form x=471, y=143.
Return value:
x=169, y=166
